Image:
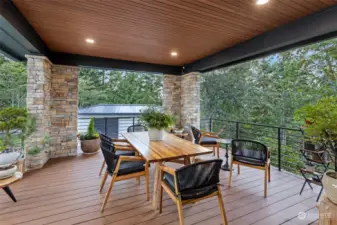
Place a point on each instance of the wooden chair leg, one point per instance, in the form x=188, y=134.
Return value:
x=105, y=176
x=108, y=193
x=213, y=151
x=265, y=181
x=239, y=169
x=147, y=182
x=230, y=175
x=102, y=167
x=269, y=173
x=222, y=207
x=161, y=200
x=180, y=211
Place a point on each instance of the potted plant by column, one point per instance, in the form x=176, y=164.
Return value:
x=156, y=121
x=15, y=126
x=90, y=142
x=322, y=129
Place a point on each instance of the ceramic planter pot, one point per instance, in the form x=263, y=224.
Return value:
x=90, y=146
x=330, y=185
x=8, y=158
x=156, y=135
x=9, y=172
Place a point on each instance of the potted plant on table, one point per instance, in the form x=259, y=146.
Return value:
x=90, y=142
x=157, y=122
x=321, y=128
x=15, y=126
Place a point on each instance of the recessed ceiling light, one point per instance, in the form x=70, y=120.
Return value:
x=89, y=40
x=261, y=2
x=174, y=53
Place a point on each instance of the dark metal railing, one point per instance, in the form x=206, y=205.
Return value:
x=284, y=142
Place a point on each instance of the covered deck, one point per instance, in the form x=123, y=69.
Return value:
x=66, y=191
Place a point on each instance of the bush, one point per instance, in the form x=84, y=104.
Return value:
x=153, y=118
x=91, y=132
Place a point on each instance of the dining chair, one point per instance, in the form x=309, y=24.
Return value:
x=206, y=139
x=121, y=167
x=136, y=128
x=122, y=147
x=192, y=183
x=251, y=154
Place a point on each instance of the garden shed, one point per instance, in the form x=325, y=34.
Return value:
x=111, y=119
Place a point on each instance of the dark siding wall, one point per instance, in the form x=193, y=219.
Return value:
x=108, y=126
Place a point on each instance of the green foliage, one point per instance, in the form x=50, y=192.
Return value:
x=91, y=132
x=34, y=151
x=320, y=121
x=2, y=146
x=12, y=118
x=153, y=118
x=118, y=87
x=44, y=143
x=13, y=81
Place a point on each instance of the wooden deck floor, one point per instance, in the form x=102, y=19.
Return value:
x=65, y=192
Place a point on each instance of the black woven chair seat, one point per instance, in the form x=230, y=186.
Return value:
x=126, y=153
x=250, y=161
x=208, y=141
x=192, y=193
x=128, y=167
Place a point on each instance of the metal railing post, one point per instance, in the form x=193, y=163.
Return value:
x=279, y=148
x=237, y=130
x=210, y=125
x=105, y=126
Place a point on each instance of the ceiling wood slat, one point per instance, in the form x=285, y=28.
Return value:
x=148, y=30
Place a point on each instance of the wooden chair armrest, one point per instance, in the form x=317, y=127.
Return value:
x=131, y=158
x=124, y=148
x=119, y=140
x=313, y=151
x=169, y=170
x=209, y=134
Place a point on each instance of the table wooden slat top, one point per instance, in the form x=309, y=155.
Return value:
x=172, y=147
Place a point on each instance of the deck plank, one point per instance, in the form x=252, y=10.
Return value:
x=65, y=192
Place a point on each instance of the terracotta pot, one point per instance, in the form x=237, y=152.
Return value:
x=330, y=185
x=90, y=146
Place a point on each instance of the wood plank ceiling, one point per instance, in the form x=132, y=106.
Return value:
x=149, y=30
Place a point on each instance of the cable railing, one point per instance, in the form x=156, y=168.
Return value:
x=283, y=142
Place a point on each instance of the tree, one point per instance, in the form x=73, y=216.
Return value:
x=13, y=83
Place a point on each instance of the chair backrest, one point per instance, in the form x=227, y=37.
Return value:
x=198, y=175
x=250, y=150
x=137, y=128
x=108, y=150
x=196, y=134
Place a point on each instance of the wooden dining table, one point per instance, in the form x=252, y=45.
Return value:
x=158, y=152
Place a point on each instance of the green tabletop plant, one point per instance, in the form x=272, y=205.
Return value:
x=157, y=122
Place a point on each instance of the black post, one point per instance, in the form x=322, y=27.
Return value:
x=9, y=193
x=105, y=126
x=279, y=148
x=133, y=124
x=210, y=125
x=237, y=130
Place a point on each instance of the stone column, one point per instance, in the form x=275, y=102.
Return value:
x=52, y=99
x=38, y=105
x=64, y=109
x=190, y=99
x=181, y=97
x=172, y=96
